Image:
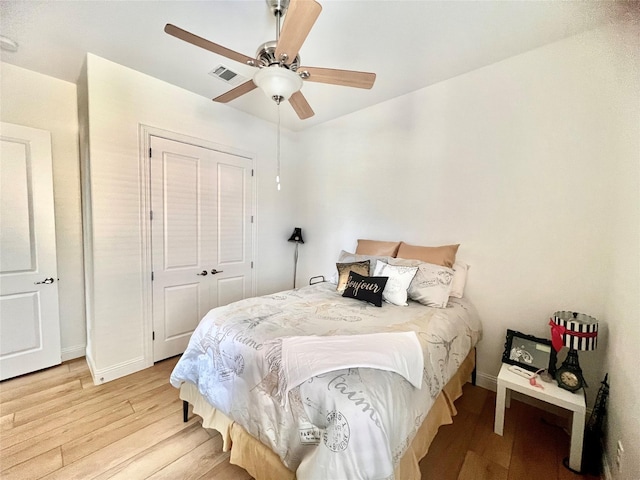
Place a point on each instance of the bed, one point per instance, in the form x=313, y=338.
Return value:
x=380, y=382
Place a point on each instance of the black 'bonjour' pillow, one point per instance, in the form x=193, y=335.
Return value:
x=367, y=289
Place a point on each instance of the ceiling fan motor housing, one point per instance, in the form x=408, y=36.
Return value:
x=266, y=57
x=278, y=6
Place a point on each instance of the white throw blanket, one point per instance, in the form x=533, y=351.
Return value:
x=297, y=359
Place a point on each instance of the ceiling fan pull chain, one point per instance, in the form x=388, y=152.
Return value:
x=278, y=149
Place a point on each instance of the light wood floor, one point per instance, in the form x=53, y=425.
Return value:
x=56, y=424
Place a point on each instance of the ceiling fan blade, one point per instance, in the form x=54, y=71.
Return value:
x=347, y=78
x=207, y=45
x=300, y=105
x=300, y=17
x=240, y=90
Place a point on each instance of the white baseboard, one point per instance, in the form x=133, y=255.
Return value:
x=606, y=468
x=113, y=372
x=70, y=353
x=89, y=360
x=487, y=381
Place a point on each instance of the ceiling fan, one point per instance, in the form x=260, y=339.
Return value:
x=280, y=73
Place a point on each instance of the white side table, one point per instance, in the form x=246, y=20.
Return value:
x=553, y=394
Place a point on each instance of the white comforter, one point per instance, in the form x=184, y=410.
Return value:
x=353, y=423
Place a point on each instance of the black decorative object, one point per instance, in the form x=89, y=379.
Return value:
x=569, y=375
x=529, y=352
x=296, y=237
x=592, y=451
x=578, y=332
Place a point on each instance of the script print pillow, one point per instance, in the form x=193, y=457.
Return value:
x=367, y=289
x=400, y=278
x=432, y=284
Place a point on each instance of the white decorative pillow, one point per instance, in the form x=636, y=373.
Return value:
x=400, y=278
x=460, y=270
x=346, y=257
x=431, y=285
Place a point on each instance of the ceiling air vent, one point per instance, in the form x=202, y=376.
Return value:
x=227, y=75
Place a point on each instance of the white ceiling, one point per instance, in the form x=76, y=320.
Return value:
x=408, y=44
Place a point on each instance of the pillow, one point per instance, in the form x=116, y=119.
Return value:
x=346, y=257
x=376, y=247
x=444, y=255
x=367, y=289
x=432, y=284
x=343, y=272
x=399, y=280
x=459, y=279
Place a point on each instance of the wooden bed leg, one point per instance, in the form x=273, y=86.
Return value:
x=475, y=368
x=185, y=411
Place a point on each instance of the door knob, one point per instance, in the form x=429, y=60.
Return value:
x=46, y=281
x=214, y=271
x=203, y=273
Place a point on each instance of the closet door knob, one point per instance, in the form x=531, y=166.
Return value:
x=46, y=281
x=214, y=271
x=203, y=273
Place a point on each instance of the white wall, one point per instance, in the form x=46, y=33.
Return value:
x=531, y=164
x=119, y=101
x=623, y=288
x=40, y=101
x=516, y=161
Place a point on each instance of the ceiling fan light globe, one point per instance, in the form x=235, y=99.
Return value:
x=277, y=82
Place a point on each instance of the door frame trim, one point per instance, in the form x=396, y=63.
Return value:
x=145, y=132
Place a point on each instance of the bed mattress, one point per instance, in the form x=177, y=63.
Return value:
x=263, y=464
x=354, y=423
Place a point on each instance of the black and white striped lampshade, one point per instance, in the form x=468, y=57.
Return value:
x=579, y=331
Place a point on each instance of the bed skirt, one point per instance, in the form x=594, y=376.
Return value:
x=263, y=464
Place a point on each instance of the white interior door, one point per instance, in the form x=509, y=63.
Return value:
x=201, y=236
x=29, y=317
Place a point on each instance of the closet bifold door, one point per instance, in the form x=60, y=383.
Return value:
x=201, y=237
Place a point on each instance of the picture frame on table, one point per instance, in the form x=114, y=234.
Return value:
x=529, y=352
